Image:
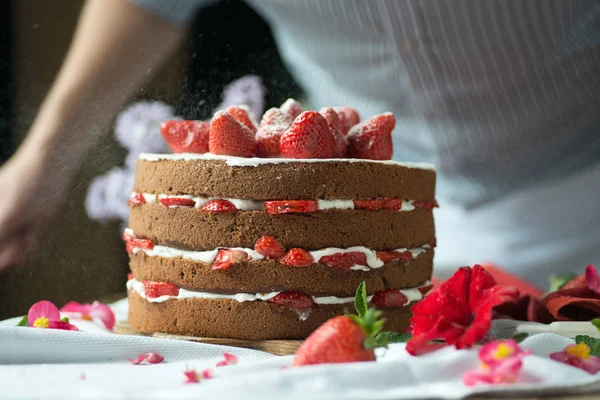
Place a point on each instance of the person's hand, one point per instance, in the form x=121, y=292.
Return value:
x=32, y=192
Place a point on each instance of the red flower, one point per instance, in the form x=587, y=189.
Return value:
x=458, y=312
x=45, y=314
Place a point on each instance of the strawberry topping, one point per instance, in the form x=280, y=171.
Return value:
x=297, y=258
x=335, y=128
x=291, y=109
x=242, y=115
x=378, y=204
x=136, y=200
x=295, y=300
x=389, y=298
x=186, y=136
x=177, y=202
x=226, y=257
x=130, y=276
x=268, y=137
x=140, y=243
x=229, y=137
x=218, y=205
x=269, y=247
x=344, y=260
x=291, y=206
x=308, y=137
x=372, y=139
x=425, y=289
x=127, y=236
x=157, y=289
x=387, y=256
x=348, y=117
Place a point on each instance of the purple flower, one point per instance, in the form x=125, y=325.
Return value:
x=138, y=127
x=247, y=90
x=107, y=195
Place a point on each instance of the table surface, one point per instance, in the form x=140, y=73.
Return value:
x=564, y=396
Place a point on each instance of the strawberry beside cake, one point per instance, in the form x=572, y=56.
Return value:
x=224, y=243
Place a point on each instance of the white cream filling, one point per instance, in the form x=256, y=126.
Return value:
x=208, y=256
x=255, y=162
x=412, y=294
x=258, y=205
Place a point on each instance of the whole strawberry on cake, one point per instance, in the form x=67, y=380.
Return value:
x=264, y=231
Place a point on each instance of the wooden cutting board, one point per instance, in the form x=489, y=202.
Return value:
x=277, y=347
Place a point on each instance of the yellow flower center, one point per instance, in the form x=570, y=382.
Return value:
x=41, y=322
x=503, y=351
x=86, y=317
x=580, y=350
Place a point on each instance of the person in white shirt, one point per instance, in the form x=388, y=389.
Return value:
x=502, y=96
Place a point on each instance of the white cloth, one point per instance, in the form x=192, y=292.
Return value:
x=52, y=364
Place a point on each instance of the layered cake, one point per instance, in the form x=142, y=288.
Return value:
x=223, y=245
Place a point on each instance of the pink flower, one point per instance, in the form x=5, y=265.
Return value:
x=44, y=314
x=230, y=359
x=151, y=358
x=501, y=362
x=194, y=377
x=89, y=311
x=578, y=355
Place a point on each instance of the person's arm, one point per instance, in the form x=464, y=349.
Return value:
x=115, y=49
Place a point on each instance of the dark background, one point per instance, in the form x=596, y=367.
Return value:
x=80, y=259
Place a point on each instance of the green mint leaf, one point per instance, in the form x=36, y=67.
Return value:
x=557, y=282
x=596, y=323
x=593, y=343
x=394, y=337
x=360, y=300
x=519, y=337
x=23, y=322
x=65, y=319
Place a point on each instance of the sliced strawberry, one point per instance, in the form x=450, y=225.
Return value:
x=242, y=115
x=127, y=236
x=186, y=136
x=425, y=205
x=129, y=248
x=291, y=108
x=387, y=256
x=372, y=139
x=348, y=117
x=226, y=257
x=157, y=289
x=291, y=206
x=345, y=260
x=229, y=137
x=297, y=258
x=177, y=202
x=389, y=298
x=269, y=247
x=218, y=205
x=141, y=243
x=136, y=200
x=335, y=128
x=295, y=300
x=394, y=204
x=268, y=137
x=308, y=137
x=130, y=276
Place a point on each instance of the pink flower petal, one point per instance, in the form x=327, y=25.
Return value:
x=230, y=359
x=103, y=312
x=475, y=376
x=138, y=360
x=43, y=309
x=206, y=373
x=592, y=278
x=75, y=307
x=194, y=377
x=590, y=365
x=65, y=326
x=154, y=358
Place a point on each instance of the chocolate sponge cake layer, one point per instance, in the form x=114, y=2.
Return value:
x=265, y=276
x=254, y=320
x=190, y=228
x=285, y=181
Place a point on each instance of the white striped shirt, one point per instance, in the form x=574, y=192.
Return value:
x=502, y=95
